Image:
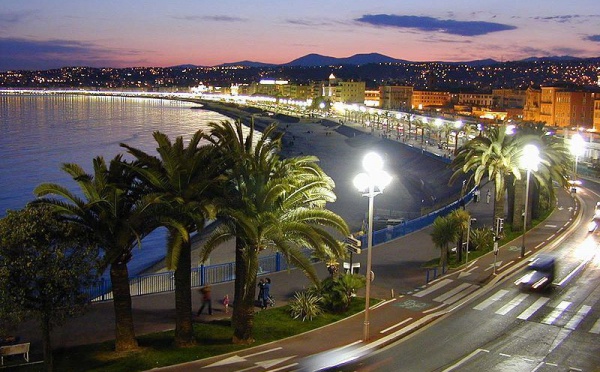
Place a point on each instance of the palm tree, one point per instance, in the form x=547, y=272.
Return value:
x=462, y=219
x=444, y=231
x=270, y=203
x=496, y=155
x=118, y=216
x=185, y=178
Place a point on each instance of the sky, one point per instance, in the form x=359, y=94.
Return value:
x=45, y=34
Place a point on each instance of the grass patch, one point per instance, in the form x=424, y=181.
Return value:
x=213, y=338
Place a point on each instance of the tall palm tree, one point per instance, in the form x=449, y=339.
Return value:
x=185, y=178
x=497, y=156
x=270, y=203
x=118, y=216
x=444, y=232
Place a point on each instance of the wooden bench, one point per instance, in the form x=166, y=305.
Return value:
x=16, y=349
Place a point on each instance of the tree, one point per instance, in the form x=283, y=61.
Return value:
x=462, y=219
x=496, y=155
x=269, y=203
x=45, y=262
x=183, y=177
x=445, y=231
x=118, y=216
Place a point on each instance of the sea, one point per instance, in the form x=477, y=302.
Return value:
x=41, y=132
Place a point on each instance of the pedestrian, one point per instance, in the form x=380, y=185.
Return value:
x=477, y=195
x=206, y=300
x=226, y=303
x=488, y=196
x=261, y=290
x=266, y=293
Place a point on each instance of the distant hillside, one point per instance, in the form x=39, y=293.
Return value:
x=357, y=59
x=248, y=64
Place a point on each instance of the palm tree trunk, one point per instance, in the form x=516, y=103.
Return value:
x=519, y=205
x=246, y=264
x=184, y=335
x=124, y=330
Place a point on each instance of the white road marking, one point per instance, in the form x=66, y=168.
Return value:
x=533, y=308
x=451, y=292
x=495, y=297
x=577, y=318
x=396, y=325
x=596, y=327
x=458, y=296
x=562, y=306
x=434, y=288
x=512, y=304
x=465, y=359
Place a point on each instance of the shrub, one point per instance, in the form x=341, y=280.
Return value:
x=305, y=305
x=337, y=292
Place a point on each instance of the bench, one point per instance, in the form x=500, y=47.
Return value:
x=16, y=349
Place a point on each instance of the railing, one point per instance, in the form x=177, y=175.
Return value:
x=200, y=276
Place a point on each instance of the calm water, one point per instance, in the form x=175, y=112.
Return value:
x=40, y=133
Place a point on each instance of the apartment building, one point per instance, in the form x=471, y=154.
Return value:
x=395, y=97
x=422, y=99
x=565, y=108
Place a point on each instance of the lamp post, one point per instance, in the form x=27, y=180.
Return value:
x=471, y=220
x=529, y=161
x=577, y=148
x=370, y=183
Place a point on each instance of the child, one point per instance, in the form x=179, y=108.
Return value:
x=226, y=303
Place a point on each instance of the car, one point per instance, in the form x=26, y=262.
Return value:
x=538, y=274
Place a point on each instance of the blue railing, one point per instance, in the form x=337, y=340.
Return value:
x=200, y=276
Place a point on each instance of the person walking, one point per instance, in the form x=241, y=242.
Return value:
x=226, y=303
x=206, y=300
x=261, y=290
x=266, y=293
x=488, y=196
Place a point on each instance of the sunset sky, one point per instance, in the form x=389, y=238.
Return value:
x=43, y=34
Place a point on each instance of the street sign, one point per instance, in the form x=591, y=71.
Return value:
x=496, y=249
x=353, y=244
x=353, y=249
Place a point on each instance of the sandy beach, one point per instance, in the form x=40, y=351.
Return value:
x=419, y=182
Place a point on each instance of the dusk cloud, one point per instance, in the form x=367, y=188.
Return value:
x=36, y=54
x=593, y=38
x=568, y=18
x=462, y=28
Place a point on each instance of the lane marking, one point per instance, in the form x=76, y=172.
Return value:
x=596, y=327
x=433, y=309
x=575, y=270
x=562, y=306
x=465, y=359
x=462, y=294
x=512, y=304
x=495, y=297
x=533, y=308
x=451, y=292
x=574, y=322
x=396, y=325
x=434, y=288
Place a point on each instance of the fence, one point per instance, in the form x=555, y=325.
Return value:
x=200, y=276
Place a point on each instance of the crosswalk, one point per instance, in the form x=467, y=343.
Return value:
x=524, y=306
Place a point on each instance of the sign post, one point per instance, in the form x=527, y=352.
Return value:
x=496, y=249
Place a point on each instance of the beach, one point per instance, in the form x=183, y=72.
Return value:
x=419, y=184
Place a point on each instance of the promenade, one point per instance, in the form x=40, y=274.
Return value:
x=409, y=301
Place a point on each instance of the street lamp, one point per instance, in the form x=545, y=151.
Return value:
x=370, y=183
x=529, y=161
x=577, y=148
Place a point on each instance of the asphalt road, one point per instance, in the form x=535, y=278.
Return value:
x=509, y=330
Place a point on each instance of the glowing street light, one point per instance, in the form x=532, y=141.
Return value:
x=529, y=161
x=577, y=149
x=370, y=183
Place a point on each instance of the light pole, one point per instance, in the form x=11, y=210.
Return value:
x=372, y=182
x=471, y=220
x=577, y=148
x=529, y=161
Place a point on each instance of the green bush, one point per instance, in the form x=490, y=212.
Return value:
x=305, y=305
x=337, y=292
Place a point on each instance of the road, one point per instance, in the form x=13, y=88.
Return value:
x=505, y=329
